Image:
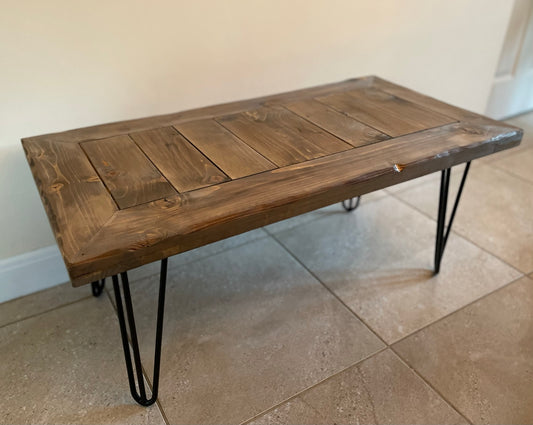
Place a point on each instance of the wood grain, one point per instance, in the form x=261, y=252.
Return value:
x=180, y=162
x=230, y=154
x=350, y=130
x=127, y=173
x=281, y=136
x=75, y=199
x=196, y=218
x=385, y=112
x=328, y=141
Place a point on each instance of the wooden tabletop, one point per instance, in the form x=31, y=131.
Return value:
x=124, y=194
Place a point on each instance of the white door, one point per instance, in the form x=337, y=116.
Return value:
x=512, y=90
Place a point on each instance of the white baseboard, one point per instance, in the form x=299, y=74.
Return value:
x=31, y=272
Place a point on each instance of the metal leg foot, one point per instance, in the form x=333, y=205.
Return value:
x=137, y=388
x=97, y=287
x=444, y=231
x=351, y=204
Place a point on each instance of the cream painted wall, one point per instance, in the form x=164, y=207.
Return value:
x=66, y=64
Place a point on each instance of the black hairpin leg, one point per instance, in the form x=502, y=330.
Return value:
x=137, y=389
x=351, y=204
x=98, y=287
x=444, y=231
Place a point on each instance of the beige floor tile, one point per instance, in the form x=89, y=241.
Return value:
x=244, y=330
x=379, y=390
x=67, y=366
x=520, y=164
x=39, y=302
x=379, y=262
x=481, y=358
x=196, y=254
x=322, y=212
x=495, y=212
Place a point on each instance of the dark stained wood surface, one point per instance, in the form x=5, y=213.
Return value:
x=76, y=201
x=385, y=112
x=281, y=136
x=127, y=173
x=185, y=167
x=183, y=180
x=229, y=153
x=341, y=125
x=217, y=212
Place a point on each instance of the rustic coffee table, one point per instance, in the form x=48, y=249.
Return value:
x=125, y=194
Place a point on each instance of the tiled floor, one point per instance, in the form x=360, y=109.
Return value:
x=325, y=318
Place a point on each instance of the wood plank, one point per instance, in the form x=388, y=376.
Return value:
x=281, y=136
x=75, y=199
x=350, y=130
x=385, y=112
x=230, y=154
x=127, y=173
x=186, y=221
x=180, y=162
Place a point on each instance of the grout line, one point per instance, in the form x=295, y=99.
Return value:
x=431, y=386
x=457, y=310
x=163, y=414
x=45, y=311
x=309, y=388
x=328, y=289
